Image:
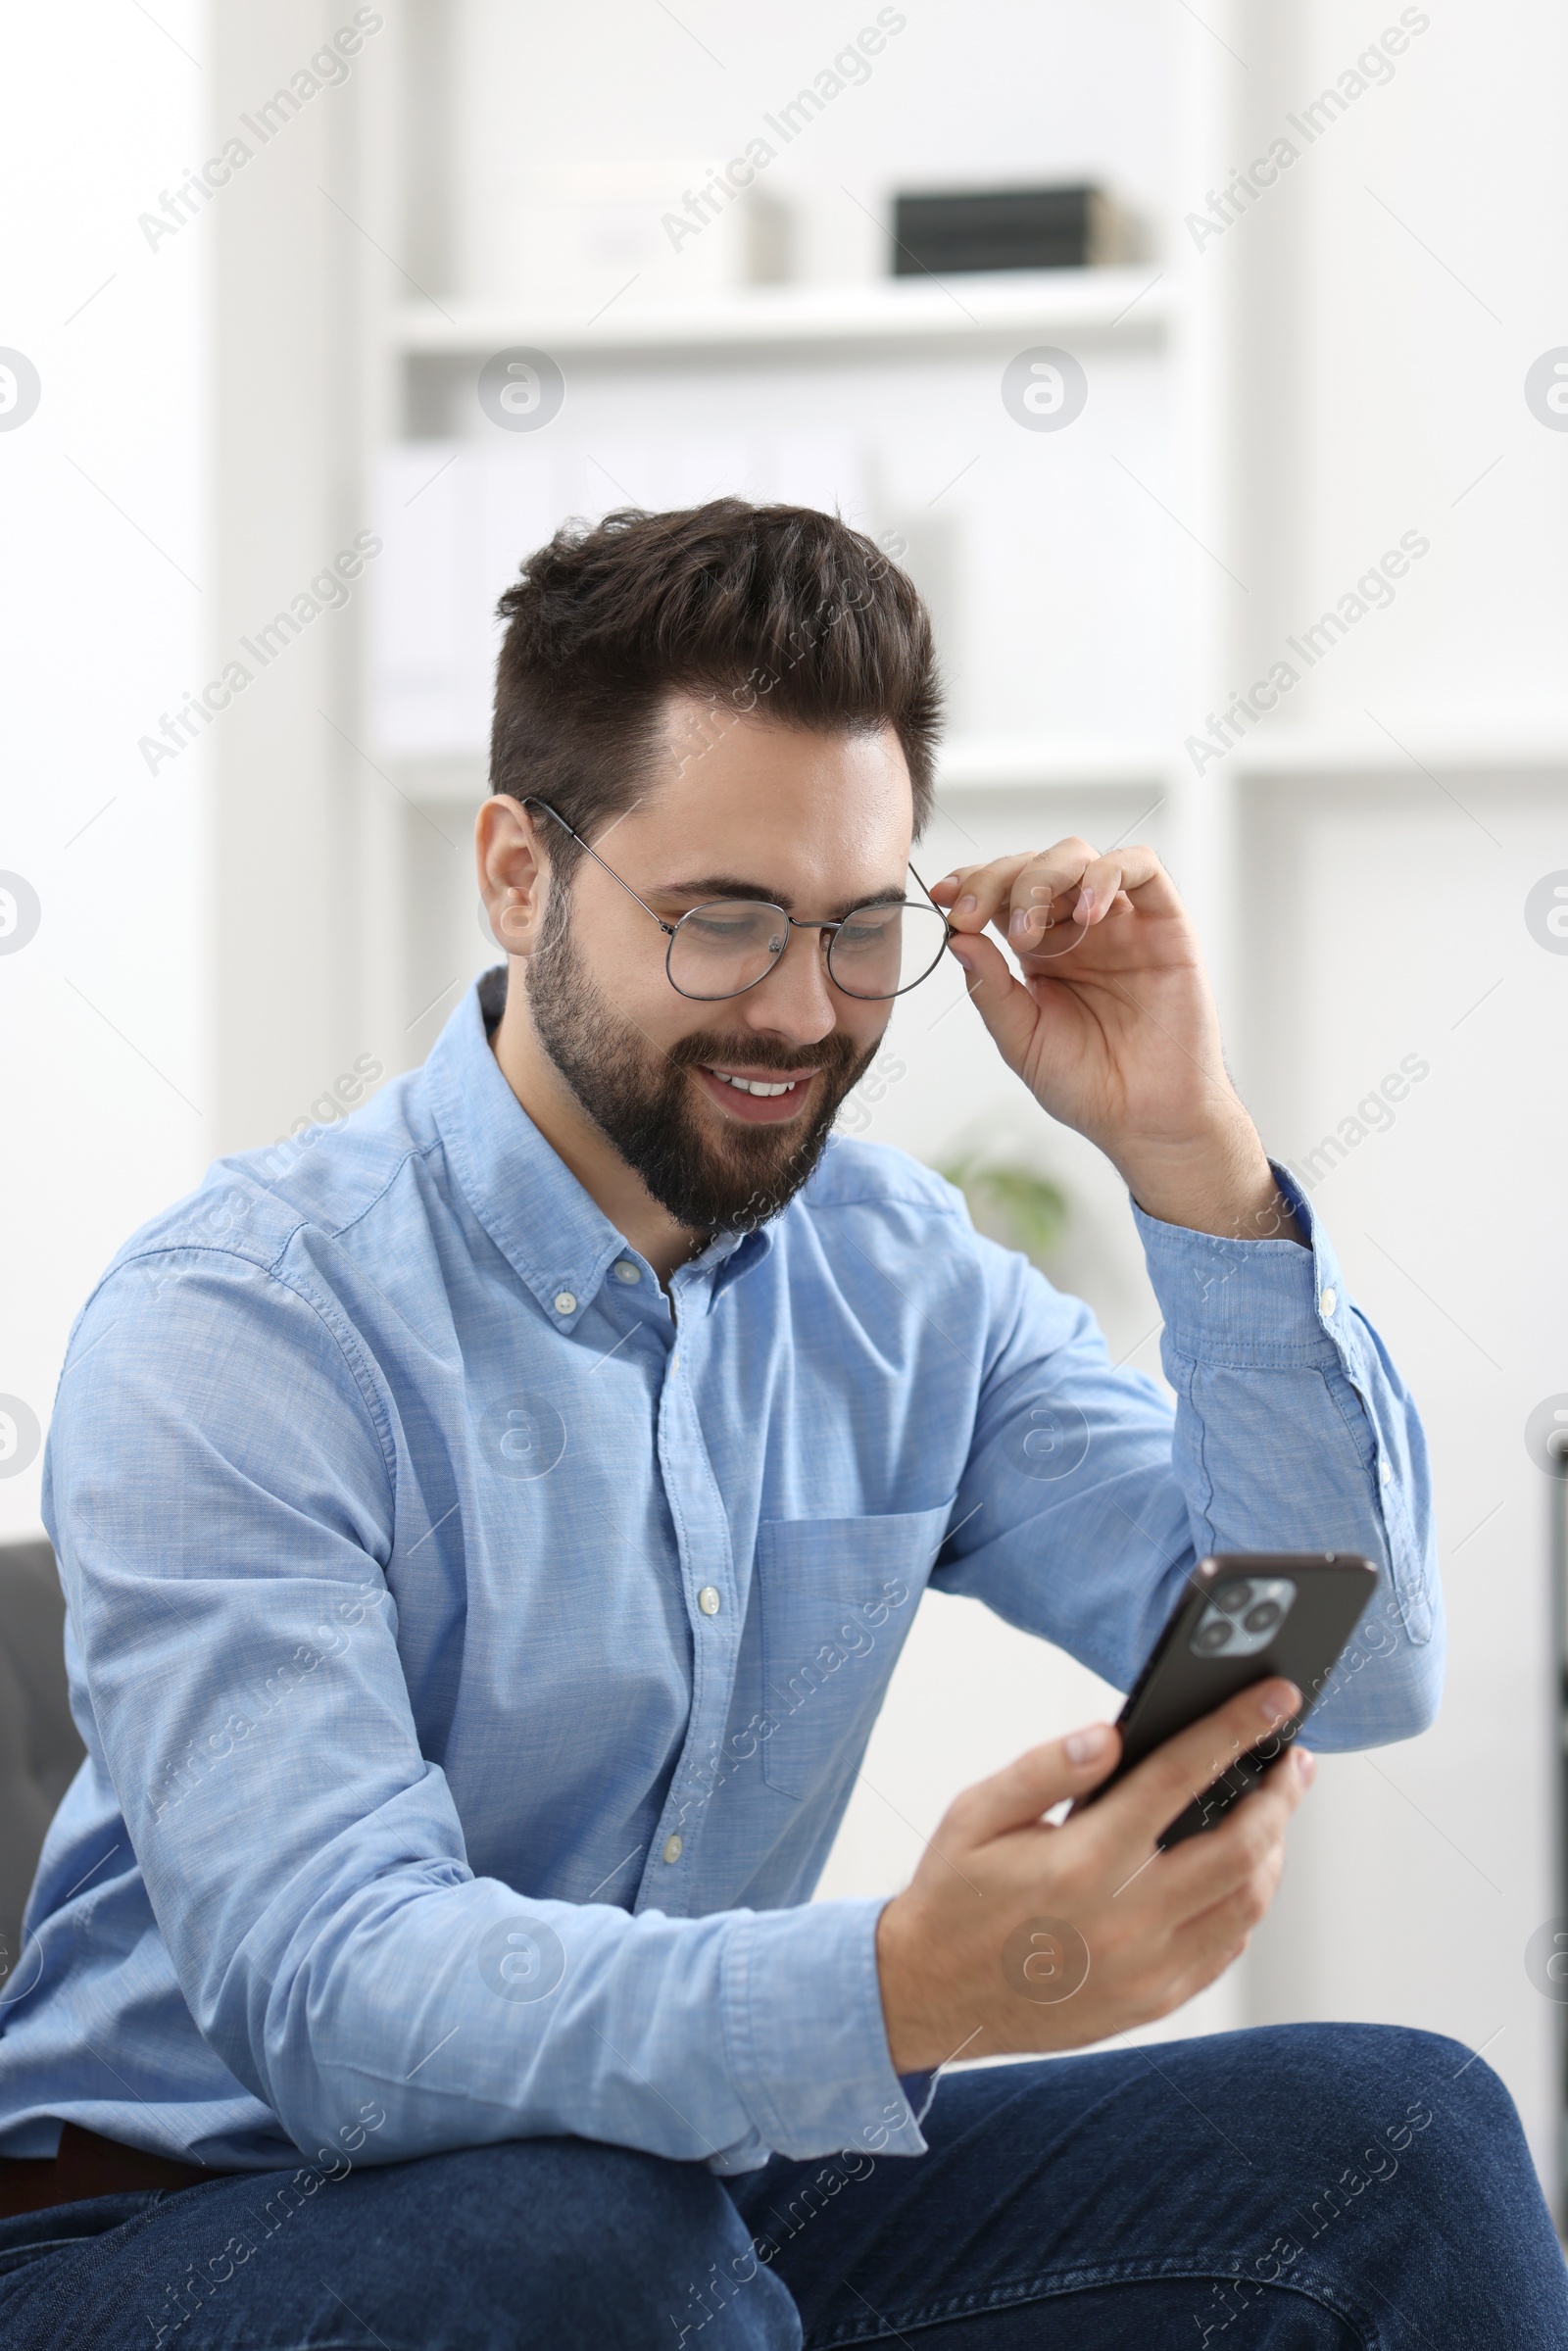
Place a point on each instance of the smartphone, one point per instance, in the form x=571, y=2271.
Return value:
x=1244, y=1617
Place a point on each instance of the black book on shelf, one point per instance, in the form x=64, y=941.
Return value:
x=1005, y=228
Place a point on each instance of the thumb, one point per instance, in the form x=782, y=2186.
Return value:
x=1002, y=1002
x=1015, y=1796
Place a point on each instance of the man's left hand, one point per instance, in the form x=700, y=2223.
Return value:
x=1113, y=1027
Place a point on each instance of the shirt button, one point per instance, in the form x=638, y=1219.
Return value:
x=674, y=1358
x=709, y=1602
x=1329, y=1300
x=624, y=1271
x=673, y=1848
x=1385, y=1472
x=566, y=1303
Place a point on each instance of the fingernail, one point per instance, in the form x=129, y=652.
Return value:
x=1306, y=1764
x=966, y=903
x=1083, y=1745
x=948, y=881
x=1018, y=924
x=956, y=948
x=1276, y=1699
x=1086, y=905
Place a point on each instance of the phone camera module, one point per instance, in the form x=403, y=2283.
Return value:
x=1243, y=1617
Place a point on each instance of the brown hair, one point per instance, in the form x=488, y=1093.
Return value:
x=773, y=608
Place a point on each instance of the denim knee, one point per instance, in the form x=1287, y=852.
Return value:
x=1383, y=2097
x=616, y=2246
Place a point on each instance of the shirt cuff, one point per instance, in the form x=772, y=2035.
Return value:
x=1251, y=1304
x=808, y=2045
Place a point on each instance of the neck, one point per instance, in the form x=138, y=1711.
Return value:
x=612, y=1186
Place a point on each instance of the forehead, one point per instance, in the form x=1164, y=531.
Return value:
x=740, y=794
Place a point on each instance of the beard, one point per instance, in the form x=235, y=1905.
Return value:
x=639, y=1095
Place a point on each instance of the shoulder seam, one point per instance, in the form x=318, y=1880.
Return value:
x=359, y=1371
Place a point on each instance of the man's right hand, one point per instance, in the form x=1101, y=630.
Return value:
x=1015, y=1935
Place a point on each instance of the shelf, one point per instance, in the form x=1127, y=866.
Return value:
x=1021, y=764
x=1497, y=752
x=1134, y=303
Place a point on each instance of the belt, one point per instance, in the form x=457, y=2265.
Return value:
x=87, y=2166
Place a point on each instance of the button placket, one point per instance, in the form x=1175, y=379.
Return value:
x=703, y=1542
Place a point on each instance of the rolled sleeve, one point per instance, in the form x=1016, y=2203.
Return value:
x=809, y=2051
x=1294, y=1430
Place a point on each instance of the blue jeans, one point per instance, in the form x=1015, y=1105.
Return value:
x=1297, y=2188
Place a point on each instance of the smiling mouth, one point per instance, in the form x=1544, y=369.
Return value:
x=766, y=1087
x=759, y=1097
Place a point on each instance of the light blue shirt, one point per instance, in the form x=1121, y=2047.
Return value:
x=476, y=1647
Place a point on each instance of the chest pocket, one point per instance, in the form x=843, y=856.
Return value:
x=839, y=1596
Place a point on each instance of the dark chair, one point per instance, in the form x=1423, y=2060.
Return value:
x=39, y=1749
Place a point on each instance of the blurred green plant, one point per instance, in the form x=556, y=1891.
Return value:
x=1011, y=1202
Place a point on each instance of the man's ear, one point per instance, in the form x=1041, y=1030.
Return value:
x=514, y=872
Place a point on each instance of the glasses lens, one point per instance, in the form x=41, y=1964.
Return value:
x=721, y=948
x=881, y=950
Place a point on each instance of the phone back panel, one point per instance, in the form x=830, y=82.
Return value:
x=1179, y=1685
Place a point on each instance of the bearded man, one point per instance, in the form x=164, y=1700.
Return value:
x=487, y=1535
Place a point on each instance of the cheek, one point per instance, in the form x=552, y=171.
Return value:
x=865, y=1025
x=640, y=992
x=626, y=969
x=657, y=1020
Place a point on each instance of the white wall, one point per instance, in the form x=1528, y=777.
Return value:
x=103, y=599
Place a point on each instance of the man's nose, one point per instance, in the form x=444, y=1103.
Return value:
x=796, y=1000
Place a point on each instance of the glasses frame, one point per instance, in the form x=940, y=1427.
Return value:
x=796, y=922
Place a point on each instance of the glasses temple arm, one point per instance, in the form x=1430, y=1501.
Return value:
x=950, y=932
x=668, y=929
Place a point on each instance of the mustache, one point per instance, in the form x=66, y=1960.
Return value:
x=835, y=1052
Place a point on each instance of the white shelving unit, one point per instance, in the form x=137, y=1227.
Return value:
x=792, y=318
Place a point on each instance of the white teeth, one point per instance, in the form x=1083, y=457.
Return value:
x=754, y=1085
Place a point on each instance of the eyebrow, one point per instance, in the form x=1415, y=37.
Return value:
x=729, y=885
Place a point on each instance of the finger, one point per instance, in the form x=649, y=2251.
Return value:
x=1015, y=1796
x=1052, y=889
x=1203, y=1870
x=1149, y=1798
x=1003, y=1003
x=1209, y=1962
x=1217, y=1931
x=986, y=892
x=983, y=890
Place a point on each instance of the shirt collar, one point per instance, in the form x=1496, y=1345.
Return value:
x=521, y=1190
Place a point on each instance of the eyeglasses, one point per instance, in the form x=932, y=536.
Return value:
x=730, y=944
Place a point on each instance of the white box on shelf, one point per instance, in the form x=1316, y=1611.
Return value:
x=574, y=237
